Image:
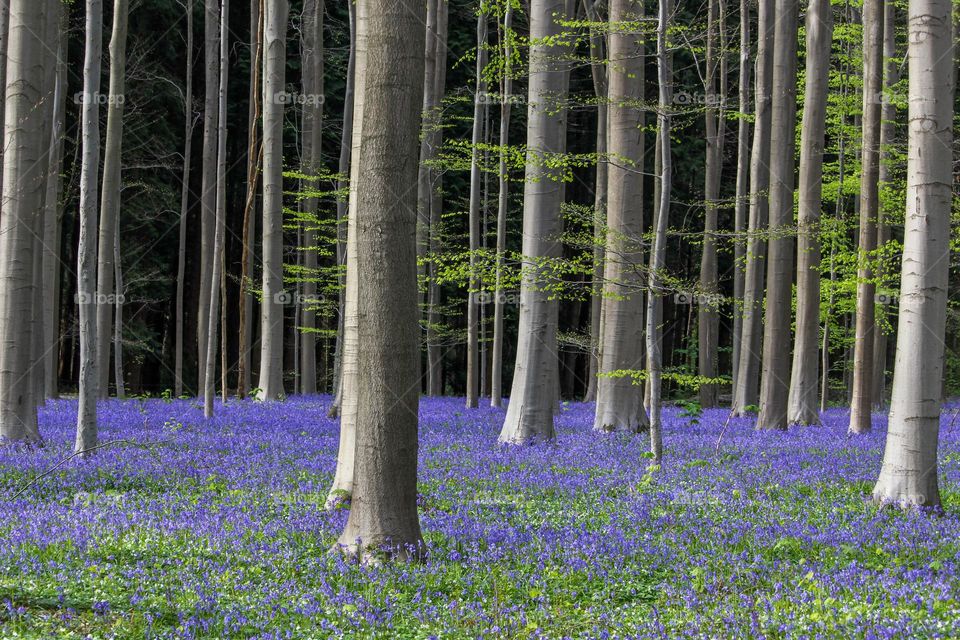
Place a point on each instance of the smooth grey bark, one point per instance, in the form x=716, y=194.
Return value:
x=50, y=275
x=909, y=472
x=312, y=157
x=188, y=123
x=802, y=402
x=536, y=371
x=473, y=310
x=776, y=362
x=4, y=39
x=110, y=193
x=208, y=192
x=708, y=311
x=383, y=514
x=619, y=399
x=598, y=70
x=273, y=299
x=503, y=205
x=87, y=249
x=213, y=319
x=118, y=316
x=742, y=189
x=659, y=253
x=888, y=115
x=745, y=393
x=346, y=144
x=343, y=480
x=862, y=401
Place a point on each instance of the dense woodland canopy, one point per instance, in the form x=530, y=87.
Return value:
x=714, y=204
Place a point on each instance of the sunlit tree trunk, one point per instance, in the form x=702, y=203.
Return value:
x=533, y=397
x=274, y=299
x=503, y=205
x=312, y=157
x=342, y=487
x=473, y=311
x=909, y=472
x=657, y=265
x=743, y=186
x=188, y=122
x=745, y=393
x=775, y=375
x=862, y=402
x=383, y=514
x=87, y=249
x=802, y=405
x=619, y=399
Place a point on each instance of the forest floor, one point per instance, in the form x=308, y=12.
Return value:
x=188, y=528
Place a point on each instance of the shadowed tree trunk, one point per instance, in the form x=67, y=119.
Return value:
x=533, y=396
x=862, y=401
x=383, y=514
x=619, y=399
x=274, y=298
x=802, y=405
x=909, y=472
x=775, y=375
x=87, y=249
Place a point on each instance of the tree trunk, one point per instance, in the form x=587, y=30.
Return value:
x=383, y=515
x=87, y=251
x=274, y=298
x=533, y=397
x=118, y=315
x=599, y=70
x=743, y=182
x=254, y=162
x=473, y=327
x=312, y=154
x=342, y=488
x=909, y=472
x=775, y=376
x=802, y=407
x=110, y=193
x=208, y=193
x=619, y=399
x=657, y=265
x=862, y=404
x=888, y=129
x=209, y=378
x=745, y=394
x=503, y=205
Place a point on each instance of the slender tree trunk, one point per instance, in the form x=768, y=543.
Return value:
x=909, y=472
x=745, y=393
x=708, y=316
x=209, y=378
x=312, y=154
x=383, y=515
x=619, y=399
x=254, y=162
x=742, y=188
x=5, y=6
x=208, y=193
x=110, y=193
x=274, y=298
x=655, y=277
x=533, y=397
x=51, y=216
x=888, y=115
x=343, y=480
x=346, y=145
x=802, y=407
x=118, y=316
x=862, y=404
x=599, y=70
x=775, y=376
x=503, y=205
x=188, y=119
x=473, y=327
x=87, y=251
